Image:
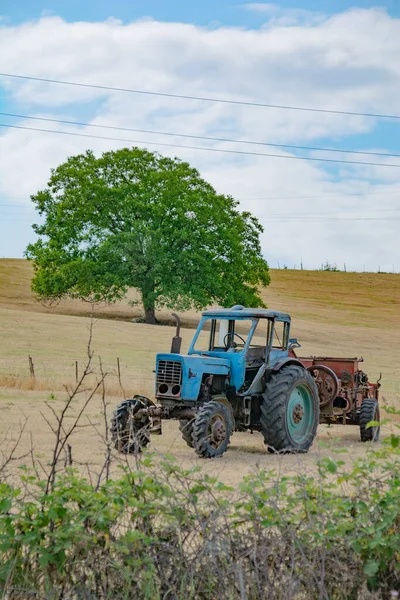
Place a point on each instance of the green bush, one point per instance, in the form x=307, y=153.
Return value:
x=160, y=531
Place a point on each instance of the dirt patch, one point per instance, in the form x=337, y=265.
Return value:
x=245, y=454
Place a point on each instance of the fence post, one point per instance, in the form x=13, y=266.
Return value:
x=119, y=371
x=31, y=367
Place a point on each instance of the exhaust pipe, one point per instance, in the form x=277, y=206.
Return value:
x=176, y=340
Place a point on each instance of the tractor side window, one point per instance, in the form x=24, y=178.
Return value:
x=280, y=338
x=220, y=334
x=260, y=336
x=203, y=340
x=223, y=335
x=242, y=330
x=229, y=334
x=212, y=335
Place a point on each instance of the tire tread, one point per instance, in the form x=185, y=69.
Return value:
x=367, y=413
x=200, y=426
x=119, y=435
x=274, y=406
x=186, y=429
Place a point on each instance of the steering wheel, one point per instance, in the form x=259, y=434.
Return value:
x=232, y=334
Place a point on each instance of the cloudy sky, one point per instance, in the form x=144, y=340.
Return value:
x=325, y=54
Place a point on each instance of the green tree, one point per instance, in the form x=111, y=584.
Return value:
x=133, y=218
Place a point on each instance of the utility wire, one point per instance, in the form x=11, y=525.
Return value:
x=327, y=195
x=267, y=220
x=331, y=219
x=199, y=137
x=320, y=196
x=270, y=215
x=201, y=98
x=225, y=151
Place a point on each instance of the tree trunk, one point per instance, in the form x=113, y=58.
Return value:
x=150, y=315
x=148, y=299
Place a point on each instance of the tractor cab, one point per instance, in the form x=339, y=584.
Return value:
x=247, y=338
x=256, y=336
x=234, y=344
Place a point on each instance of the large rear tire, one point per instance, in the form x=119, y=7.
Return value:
x=129, y=434
x=290, y=410
x=369, y=411
x=212, y=429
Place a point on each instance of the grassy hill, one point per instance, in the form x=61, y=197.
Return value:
x=353, y=314
x=357, y=299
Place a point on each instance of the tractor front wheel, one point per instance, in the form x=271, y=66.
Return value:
x=129, y=434
x=186, y=429
x=290, y=410
x=369, y=411
x=212, y=430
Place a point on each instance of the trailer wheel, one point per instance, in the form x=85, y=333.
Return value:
x=130, y=435
x=290, y=410
x=369, y=411
x=212, y=430
x=186, y=429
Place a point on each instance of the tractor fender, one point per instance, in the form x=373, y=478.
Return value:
x=224, y=400
x=287, y=361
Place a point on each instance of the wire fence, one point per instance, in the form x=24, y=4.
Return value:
x=32, y=372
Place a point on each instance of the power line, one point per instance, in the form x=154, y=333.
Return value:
x=14, y=198
x=294, y=220
x=199, y=137
x=225, y=151
x=319, y=196
x=274, y=221
x=270, y=215
x=329, y=214
x=200, y=98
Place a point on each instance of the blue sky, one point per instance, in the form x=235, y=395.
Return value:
x=333, y=54
x=201, y=12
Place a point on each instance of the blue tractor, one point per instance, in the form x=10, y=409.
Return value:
x=239, y=374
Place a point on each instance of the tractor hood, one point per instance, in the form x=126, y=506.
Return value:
x=180, y=376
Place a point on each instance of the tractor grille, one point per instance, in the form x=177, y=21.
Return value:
x=169, y=371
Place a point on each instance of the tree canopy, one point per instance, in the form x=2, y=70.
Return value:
x=135, y=219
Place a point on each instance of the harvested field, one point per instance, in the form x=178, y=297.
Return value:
x=245, y=454
x=348, y=314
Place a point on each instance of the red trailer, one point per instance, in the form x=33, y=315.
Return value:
x=346, y=395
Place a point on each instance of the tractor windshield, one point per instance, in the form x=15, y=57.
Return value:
x=231, y=335
x=221, y=335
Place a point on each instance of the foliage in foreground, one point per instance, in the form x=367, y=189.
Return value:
x=159, y=531
x=133, y=218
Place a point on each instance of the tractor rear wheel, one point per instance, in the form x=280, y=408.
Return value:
x=212, y=429
x=130, y=435
x=369, y=411
x=290, y=410
x=186, y=429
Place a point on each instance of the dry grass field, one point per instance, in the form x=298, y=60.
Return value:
x=352, y=314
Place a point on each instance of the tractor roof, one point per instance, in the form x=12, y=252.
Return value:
x=240, y=311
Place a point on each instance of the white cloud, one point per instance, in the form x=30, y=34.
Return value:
x=345, y=62
x=262, y=7
x=284, y=17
